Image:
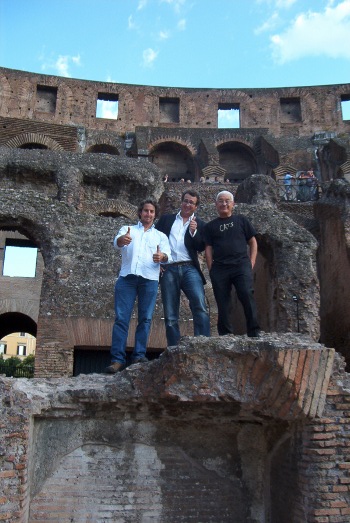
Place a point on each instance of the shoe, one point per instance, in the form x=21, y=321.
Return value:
x=255, y=334
x=140, y=360
x=114, y=367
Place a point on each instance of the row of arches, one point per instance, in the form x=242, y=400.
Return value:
x=234, y=159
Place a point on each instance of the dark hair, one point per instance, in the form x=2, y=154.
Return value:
x=144, y=202
x=192, y=193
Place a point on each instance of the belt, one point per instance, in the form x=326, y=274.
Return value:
x=180, y=263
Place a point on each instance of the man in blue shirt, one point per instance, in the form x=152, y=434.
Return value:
x=143, y=248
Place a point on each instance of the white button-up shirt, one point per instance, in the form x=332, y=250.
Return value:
x=177, y=239
x=137, y=257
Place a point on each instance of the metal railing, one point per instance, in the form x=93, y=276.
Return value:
x=16, y=371
x=299, y=191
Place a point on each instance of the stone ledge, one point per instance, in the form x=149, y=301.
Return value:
x=281, y=377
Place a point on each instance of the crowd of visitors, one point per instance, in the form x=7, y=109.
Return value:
x=301, y=187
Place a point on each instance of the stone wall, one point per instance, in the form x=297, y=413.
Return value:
x=218, y=429
x=73, y=102
x=225, y=429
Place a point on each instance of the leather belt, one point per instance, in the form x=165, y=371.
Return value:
x=180, y=263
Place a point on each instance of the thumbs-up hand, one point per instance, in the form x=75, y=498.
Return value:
x=193, y=225
x=126, y=238
x=157, y=257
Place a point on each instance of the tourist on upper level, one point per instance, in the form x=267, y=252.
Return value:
x=185, y=233
x=287, y=180
x=230, y=265
x=143, y=249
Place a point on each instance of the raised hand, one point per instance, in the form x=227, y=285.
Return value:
x=126, y=238
x=157, y=257
x=193, y=225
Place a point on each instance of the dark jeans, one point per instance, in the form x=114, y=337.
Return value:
x=187, y=279
x=222, y=278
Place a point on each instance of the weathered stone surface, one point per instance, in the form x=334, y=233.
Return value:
x=211, y=421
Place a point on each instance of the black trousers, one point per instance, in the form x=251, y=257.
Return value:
x=241, y=277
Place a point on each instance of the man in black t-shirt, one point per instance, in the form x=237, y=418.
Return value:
x=229, y=264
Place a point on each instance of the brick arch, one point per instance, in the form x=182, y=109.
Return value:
x=228, y=138
x=174, y=158
x=17, y=322
x=174, y=140
x=237, y=158
x=112, y=208
x=40, y=139
x=102, y=147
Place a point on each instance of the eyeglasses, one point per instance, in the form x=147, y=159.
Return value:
x=225, y=201
x=189, y=202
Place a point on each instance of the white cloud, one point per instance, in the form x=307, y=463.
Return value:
x=149, y=55
x=269, y=24
x=76, y=59
x=284, y=4
x=228, y=118
x=177, y=4
x=141, y=4
x=62, y=64
x=314, y=34
x=181, y=25
x=277, y=4
x=164, y=35
x=131, y=23
x=106, y=109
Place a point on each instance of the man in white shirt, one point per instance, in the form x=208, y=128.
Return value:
x=143, y=248
x=185, y=233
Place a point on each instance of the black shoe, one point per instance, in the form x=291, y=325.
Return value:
x=254, y=334
x=140, y=360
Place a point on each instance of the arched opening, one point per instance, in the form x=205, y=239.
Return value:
x=175, y=160
x=238, y=160
x=32, y=146
x=16, y=322
x=103, y=148
x=17, y=345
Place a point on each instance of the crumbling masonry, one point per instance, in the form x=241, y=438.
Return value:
x=214, y=430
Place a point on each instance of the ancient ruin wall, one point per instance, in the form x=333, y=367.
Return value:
x=225, y=429
x=65, y=101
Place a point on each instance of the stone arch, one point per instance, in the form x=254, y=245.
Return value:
x=237, y=158
x=175, y=159
x=112, y=208
x=32, y=139
x=16, y=322
x=20, y=296
x=103, y=148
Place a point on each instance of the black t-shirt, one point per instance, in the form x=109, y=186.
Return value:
x=228, y=238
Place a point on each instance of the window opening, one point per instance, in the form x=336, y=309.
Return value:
x=169, y=110
x=20, y=258
x=290, y=110
x=345, y=106
x=46, y=98
x=3, y=348
x=21, y=350
x=107, y=106
x=228, y=116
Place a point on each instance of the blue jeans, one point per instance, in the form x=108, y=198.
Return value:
x=187, y=279
x=127, y=288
